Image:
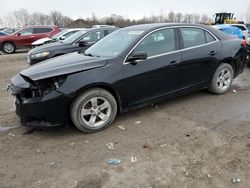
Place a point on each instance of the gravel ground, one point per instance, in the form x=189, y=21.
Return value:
x=194, y=141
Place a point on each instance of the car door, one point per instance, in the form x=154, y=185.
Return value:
x=159, y=74
x=41, y=32
x=200, y=55
x=25, y=37
x=88, y=40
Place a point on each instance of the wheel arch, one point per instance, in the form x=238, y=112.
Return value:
x=231, y=62
x=9, y=42
x=104, y=86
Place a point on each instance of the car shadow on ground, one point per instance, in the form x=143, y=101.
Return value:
x=121, y=119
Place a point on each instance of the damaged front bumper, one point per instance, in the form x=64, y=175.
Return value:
x=47, y=110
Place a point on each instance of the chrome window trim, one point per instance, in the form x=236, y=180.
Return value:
x=175, y=51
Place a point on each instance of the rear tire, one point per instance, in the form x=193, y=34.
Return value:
x=8, y=47
x=222, y=79
x=93, y=110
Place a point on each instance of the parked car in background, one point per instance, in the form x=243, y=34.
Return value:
x=235, y=31
x=2, y=33
x=99, y=26
x=80, y=40
x=25, y=37
x=130, y=68
x=243, y=28
x=11, y=30
x=248, y=27
x=58, y=37
x=230, y=30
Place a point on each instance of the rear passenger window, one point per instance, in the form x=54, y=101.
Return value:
x=42, y=30
x=157, y=43
x=193, y=37
x=209, y=37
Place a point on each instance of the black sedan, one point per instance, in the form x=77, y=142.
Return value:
x=130, y=68
x=76, y=42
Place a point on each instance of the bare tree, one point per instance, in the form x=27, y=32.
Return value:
x=196, y=18
x=204, y=19
x=171, y=16
x=178, y=17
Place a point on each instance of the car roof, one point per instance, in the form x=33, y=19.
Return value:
x=153, y=26
x=36, y=26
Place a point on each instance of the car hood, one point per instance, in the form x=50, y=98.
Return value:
x=49, y=47
x=41, y=41
x=62, y=65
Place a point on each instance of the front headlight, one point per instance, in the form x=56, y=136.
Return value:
x=42, y=54
x=44, y=87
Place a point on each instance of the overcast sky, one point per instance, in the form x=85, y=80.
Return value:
x=129, y=8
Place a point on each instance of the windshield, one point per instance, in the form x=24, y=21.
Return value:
x=114, y=44
x=74, y=37
x=59, y=34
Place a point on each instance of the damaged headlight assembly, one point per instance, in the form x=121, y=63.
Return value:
x=42, y=54
x=43, y=87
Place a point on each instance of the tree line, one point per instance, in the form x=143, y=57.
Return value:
x=22, y=17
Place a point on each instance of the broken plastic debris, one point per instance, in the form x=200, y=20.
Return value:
x=236, y=180
x=114, y=161
x=10, y=134
x=209, y=176
x=138, y=122
x=121, y=127
x=52, y=164
x=163, y=145
x=147, y=146
x=133, y=159
x=110, y=146
x=234, y=91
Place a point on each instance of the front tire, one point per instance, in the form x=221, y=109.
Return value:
x=222, y=79
x=93, y=110
x=8, y=47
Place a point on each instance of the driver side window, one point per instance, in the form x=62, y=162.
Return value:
x=157, y=43
x=28, y=31
x=92, y=37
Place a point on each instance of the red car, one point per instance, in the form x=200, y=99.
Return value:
x=25, y=36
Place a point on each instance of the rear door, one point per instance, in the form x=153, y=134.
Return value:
x=41, y=32
x=159, y=74
x=200, y=53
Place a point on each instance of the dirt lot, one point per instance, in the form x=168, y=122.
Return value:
x=199, y=140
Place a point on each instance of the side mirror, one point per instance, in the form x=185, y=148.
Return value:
x=18, y=34
x=137, y=56
x=62, y=38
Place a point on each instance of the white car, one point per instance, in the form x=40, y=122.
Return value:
x=243, y=28
x=60, y=36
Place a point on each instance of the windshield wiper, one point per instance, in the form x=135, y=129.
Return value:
x=90, y=55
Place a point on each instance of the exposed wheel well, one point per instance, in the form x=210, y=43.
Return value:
x=107, y=88
x=230, y=62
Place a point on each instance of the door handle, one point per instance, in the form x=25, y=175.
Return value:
x=174, y=63
x=212, y=53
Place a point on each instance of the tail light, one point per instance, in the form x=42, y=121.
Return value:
x=244, y=43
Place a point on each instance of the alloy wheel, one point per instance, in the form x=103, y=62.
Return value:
x=224, y=79
x=96, y=112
